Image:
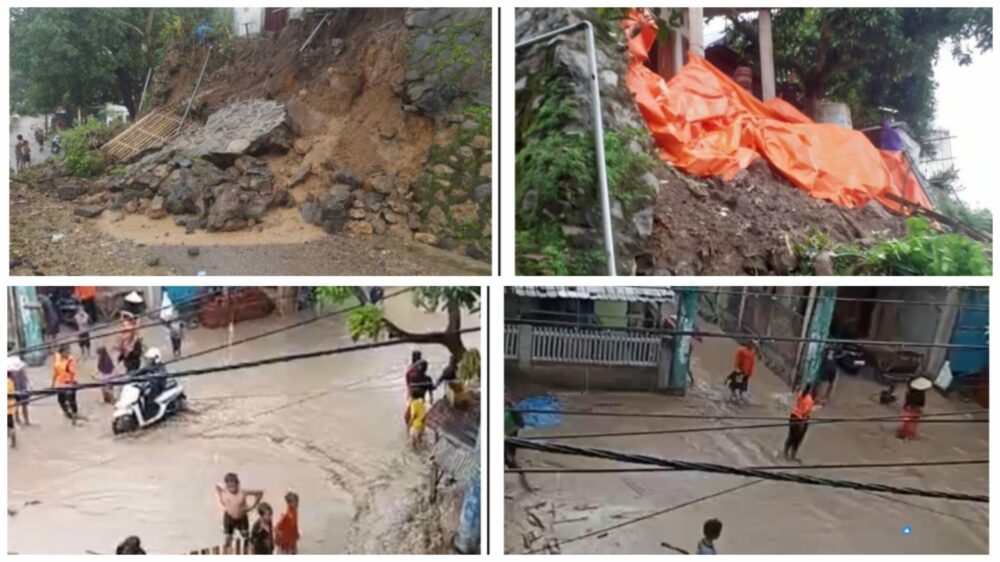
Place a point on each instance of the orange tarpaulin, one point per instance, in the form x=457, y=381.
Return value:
x=705, y=124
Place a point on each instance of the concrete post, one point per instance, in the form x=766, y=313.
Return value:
x=523, y=346
x=663, y=377
x=805, y=331
x=681, y=360
x=31, y=322
x=766, y=54
x=943, y=332
x=696, y=30
x=819, y=328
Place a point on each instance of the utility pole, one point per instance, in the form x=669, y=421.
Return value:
x=681, y=359
x=819, y=329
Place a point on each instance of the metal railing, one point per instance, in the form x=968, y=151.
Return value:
x=594, y=347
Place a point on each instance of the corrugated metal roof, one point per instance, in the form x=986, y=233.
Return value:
x=627, y=294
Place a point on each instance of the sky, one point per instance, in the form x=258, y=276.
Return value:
x=966, y=104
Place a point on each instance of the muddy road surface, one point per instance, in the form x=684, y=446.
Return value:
x=761, y=517
x=330, y=429
x=46, y=238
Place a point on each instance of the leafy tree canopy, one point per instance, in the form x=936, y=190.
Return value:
x=79, y=57
x=369, y=320
x=868, y=57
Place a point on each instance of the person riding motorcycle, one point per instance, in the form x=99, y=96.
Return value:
x=155, y=384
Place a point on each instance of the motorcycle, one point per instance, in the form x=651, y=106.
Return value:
x=132, y=412
x=57, y=144
x=850, y=358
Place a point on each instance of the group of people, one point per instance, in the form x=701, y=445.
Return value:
x=265, y=536
x=808, y=397
x=22, y=148
x=420, y=389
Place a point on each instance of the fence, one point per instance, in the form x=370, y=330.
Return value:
x=588, y=346
x=510, y=341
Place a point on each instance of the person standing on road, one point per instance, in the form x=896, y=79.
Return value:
x=20, y=374
x=25, y=153
x=40, y=137
x=11, y=409
x=798, y=422
x=18, y=155
x=744, y=364
x=82, y=320
x=712, y=530
x=105, y=372
x=913, y=407
x=828, y=373
x=64, y=376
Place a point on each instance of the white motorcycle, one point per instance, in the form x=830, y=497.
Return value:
x=133, y=411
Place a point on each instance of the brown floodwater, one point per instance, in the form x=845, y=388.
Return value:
x=762, y=518
x=329, y=428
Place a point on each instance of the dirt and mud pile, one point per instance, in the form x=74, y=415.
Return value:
x=381, y=126
x=665, y=222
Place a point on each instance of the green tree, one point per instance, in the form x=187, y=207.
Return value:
x=949, y=201
x=78, y=57
x=869, y=57
x=370, y=321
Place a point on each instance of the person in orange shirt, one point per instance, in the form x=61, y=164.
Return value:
x=11, y=408
x=798, y=422
x=88, y=298
x=64, y=375
x=743, y=366
x=287, y=531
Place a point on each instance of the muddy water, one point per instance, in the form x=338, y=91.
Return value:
x=766, y=517
x=328, y=428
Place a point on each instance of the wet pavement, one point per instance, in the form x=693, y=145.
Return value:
x=765, y=517
x=329, y=428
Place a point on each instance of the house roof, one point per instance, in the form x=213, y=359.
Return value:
x=627, y=294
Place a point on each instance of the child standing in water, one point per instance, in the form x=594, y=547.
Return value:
x=233, y=499
x=286, y=533
x=262, y=536
x=105, y=372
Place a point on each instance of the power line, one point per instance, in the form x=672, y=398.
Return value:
x=142, y=370
x=719, y=417
x=591, y=452
x=650, y=515
x=972, y=462
x=743, y=336
x=844, y=299
x=237, y=366
x=730, y=428
x=76, y=337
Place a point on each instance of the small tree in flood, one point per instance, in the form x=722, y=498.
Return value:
x=370, y=321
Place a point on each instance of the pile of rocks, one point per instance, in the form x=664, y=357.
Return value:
x=246, y=127
x=381, y=204
x=200, y=194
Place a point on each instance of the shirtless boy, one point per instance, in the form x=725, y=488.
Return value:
x=234, y=503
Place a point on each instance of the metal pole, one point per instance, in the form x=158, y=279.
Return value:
x=142, y=98
x=595, y=91
x=313, y=34
x=196, y=86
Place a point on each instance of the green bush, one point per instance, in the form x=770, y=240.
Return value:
x=923, y=251
x=80, y=159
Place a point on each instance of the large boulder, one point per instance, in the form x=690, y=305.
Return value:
x=332, y=212
x=246, y=127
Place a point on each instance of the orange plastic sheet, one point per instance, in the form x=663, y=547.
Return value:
x=705, y=124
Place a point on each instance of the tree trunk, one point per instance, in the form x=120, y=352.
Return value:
x=125, y=88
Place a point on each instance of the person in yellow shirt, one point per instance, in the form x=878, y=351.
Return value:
x=11, y=408
x=64, y=376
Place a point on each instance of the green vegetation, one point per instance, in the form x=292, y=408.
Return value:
x=75, y=58
x=868, y=57
x=557, y=175
x=923, y=251
x=82, y=159
x=369, y=320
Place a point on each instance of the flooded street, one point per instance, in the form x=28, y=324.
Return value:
x=329, y=428
x=763, y=517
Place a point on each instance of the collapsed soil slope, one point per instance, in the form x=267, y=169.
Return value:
x=748, y=226
x=380, y=128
